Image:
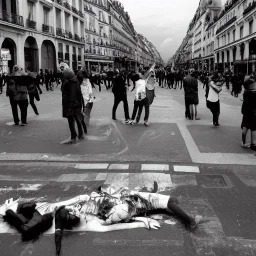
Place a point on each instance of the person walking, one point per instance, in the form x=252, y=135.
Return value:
x=120, y=94
x=32, y=91
x=1, y=83
x=18, y=94
x=213, y=103
x=249, y=112
x=47, y=79
x=72, y=104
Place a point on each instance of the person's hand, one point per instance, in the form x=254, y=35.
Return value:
x=152, y=224
x=8, y=205
x=149, y=223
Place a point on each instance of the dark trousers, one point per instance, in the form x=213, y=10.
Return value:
x=32, y=103
x=47, y=85
x=38, y=87
x=179, y=212
x=30, y=229
x=71, y=123
x=23, y=105
x=215, y=109
x=187, y=111
x=138, y=105
x=117, y=99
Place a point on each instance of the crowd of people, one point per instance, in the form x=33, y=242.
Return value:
x=77, y=93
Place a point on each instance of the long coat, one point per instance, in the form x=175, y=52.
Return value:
x=71, y=98
x=249, y=110
x=191, y=90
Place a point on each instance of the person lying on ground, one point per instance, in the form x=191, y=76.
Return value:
x=134, y=203
x=79, y=214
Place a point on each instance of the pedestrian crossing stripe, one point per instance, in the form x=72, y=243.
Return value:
x=143, y=167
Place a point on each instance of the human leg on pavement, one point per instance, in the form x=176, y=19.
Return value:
x=71, y=123
x=117, y=100
x=126, y=107
x=135, y=110
x=23, y=105
x=79, y=127
x=32, y=103
x=87, y=112
x=14, y=106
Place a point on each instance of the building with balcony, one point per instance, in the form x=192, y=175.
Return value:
x=111, y=40
x=228, y=38
x=38, y=34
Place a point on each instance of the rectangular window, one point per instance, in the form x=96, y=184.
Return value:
x=228, y=38
x=234, y=35
x=74, y=50
x=67, y=48
x=60, y=46
x=241, y=31
x=250, y=27
x=30, y=11
x=46, y=15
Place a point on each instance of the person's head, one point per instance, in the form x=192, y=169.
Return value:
x=152, y=78
x=16, y=68
x=136, y=77
x=68, y=74
x=67, y=217
x=114, y=212
x=248, y=82
x=63, y=66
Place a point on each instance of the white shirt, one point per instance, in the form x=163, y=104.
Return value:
x=213, y=96
x=140, y=89
x=86, y=89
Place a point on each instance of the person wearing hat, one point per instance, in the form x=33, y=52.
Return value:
x=119, y=90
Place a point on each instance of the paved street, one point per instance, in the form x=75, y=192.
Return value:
x=204, y=166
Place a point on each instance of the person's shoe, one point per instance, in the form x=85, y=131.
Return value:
x=37, y=113
x=245, y=145
x=217, y=124
x=197, y=220
x=114, y=119
x=23, y=124
x=71, y=141
x=133, y=122
x=146, y=123
x=127, y=121
x=81, y=137
x=197, y=118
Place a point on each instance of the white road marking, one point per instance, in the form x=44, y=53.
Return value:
x=155, y=167
x=101, y=176
x=27, y=187
x=117, y=180
x=179, y=168
x=77, y=177
x=91, y=166
x=119, y=167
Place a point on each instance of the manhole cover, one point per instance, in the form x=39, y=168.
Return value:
x=214, y=181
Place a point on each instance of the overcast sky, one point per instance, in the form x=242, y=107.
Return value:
x=163, y=22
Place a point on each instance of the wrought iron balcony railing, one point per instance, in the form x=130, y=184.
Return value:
x=47, y=29
x=60, y=32
x=31, y=24
x=11, y=18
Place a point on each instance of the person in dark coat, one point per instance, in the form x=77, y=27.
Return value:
x=17, y=92
x=120, y=94
x=185, y=86
x=191, y=95
x=249, y=112
x=72, y=104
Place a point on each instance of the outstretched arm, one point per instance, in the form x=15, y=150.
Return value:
x=96, y=225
